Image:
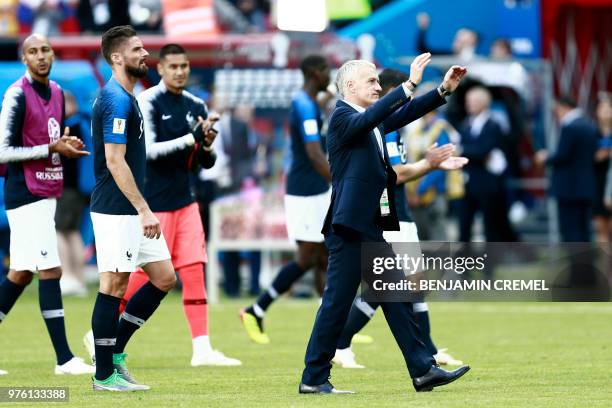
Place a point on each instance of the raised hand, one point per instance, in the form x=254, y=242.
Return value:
x=418, y=66
x=453, y=76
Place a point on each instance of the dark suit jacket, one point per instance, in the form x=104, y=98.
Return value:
x=359, y=174
x=573, y=176
x=477, y=150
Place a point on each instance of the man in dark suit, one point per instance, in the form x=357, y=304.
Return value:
x=481, y=142
x=573, y=174
x=362, y=206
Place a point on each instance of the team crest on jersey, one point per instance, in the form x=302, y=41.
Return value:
x=189, y=117
x=54, y=130
x=54, y=135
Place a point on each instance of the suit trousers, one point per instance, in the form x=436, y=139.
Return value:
x=494, y=209
x=574, y=220
x=343, y=279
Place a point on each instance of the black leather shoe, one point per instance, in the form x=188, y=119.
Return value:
x=436, y=377
x=326, y=388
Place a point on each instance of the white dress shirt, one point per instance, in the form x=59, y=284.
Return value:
x=478, y=122
x=571, y=116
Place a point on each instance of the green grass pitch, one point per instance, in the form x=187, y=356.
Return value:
x=522, y=355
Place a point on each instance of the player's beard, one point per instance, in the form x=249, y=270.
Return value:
x=137, y=72
x=42, y=74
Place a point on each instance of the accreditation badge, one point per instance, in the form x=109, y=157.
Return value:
x=385, y=211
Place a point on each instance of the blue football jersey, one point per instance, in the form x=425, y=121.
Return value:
x=397, y=155
x=305, y=127
x=116, y=119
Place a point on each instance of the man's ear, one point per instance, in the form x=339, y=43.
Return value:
x=160, y=69
x=115, y=57
x=350, y=84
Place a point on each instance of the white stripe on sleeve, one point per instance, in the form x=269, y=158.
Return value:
x=158, y=149
x=10, y=153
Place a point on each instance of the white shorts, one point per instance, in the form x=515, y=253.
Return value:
x=305, y=216
x=120, y=245
x=407, y=234
x=33, y=237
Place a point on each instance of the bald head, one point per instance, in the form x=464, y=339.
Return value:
x=37, y=55
x=34, y=40
x=477, y=100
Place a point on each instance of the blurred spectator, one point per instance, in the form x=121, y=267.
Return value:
x=573, y=172
x=99, y=15
x=230, y=18
x=501, y=49
x=243, y=16
x=9, y=29
x=211, y=181
x=602, y=214
x=253, y=13
x=78, y=184
x=44, y=16
x=240, y=144
x=8, y=18
x=146, y=15
x=481, y=139
x=240, y=147
x=428, y=195
x=464, y=43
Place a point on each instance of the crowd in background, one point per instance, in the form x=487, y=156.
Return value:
x=52, y=17
x=485, y=123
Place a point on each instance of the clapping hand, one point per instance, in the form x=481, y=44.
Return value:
x=453, y=163
x=436, y=155
x=68, y=146
x=73, y=140
x=442, y=157
x=210, y=131
x=203, y=131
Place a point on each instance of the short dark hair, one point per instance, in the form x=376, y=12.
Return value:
x=567, y=100
x=113, y=38
x=312, y=63
x=391, y=78
x=171, y=49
